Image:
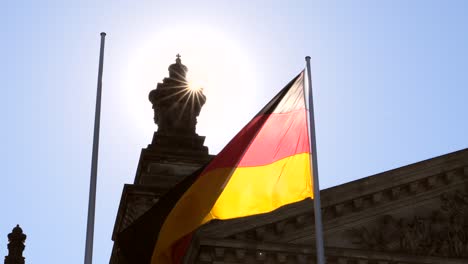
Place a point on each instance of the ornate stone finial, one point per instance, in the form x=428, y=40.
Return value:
x=15, y=246
x=176, y=108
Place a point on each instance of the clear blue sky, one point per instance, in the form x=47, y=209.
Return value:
x=390, y=85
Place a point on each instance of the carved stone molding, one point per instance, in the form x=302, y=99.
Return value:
x=137, y=206
x=216, y=251
x=176, y=106
x=135, y=201
x=444, y=233
x=285, y=228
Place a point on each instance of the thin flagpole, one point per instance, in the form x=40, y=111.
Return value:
x=94, y=162
x=315, y=179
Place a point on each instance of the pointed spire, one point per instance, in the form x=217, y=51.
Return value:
x=15, y=246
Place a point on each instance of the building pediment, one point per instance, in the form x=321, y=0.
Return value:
x=419, y=209
x=439, y=231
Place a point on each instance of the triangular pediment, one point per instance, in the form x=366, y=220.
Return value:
x=419, y=209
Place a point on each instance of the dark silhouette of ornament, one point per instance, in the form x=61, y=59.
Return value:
x=176, y=106
x=15, y=246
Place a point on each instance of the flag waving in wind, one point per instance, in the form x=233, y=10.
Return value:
x=265, y=166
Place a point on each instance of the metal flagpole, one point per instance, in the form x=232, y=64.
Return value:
x=315, y=178
x=94, y=162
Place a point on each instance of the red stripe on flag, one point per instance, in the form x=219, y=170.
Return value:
x=282, y=135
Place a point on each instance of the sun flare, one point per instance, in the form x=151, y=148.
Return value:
x=194, y=88
x=217, y=65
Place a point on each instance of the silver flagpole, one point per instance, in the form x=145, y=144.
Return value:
x=94, y=162
x=315, y=178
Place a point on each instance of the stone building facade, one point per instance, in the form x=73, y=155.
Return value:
x=416, y=214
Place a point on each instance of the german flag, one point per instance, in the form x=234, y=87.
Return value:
x=265, y=166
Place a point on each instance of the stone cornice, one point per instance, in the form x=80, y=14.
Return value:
x=423, y=180
x=416, y=172
x=337, y=217
x=231, y=251
x=149, y=157
x=148, y=195
x=441, y=232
